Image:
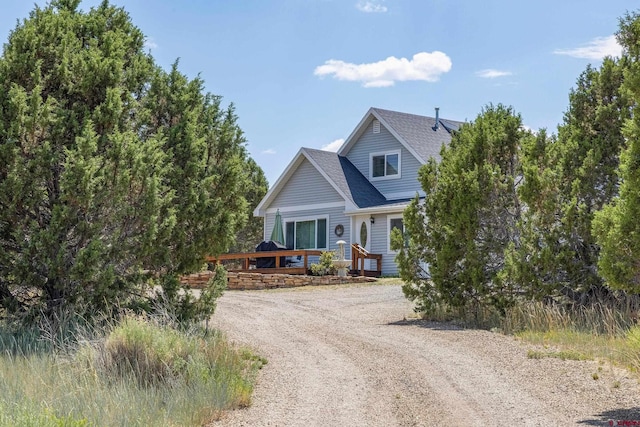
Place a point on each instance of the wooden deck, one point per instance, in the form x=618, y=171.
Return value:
x=247, y=261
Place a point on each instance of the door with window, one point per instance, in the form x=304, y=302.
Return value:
x=362, y=231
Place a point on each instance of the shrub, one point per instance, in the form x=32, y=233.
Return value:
x=134, y=174
x=138, y=372
x=325, y=265
x=157, y=355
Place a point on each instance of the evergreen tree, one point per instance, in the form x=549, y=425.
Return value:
x=112, y=171
x=567, y=180
x=616, y=226
x=468, y=217
x=249, y=236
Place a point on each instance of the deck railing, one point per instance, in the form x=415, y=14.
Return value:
x=248, y=259
x=358, y=257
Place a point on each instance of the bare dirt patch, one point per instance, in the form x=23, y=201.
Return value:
x=352, y=356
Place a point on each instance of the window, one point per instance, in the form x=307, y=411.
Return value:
x=363, y=234
x=385, y=165
x=395, y=221
x=306, y=234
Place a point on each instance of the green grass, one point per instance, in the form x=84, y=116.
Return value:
x=563, y=355
x=602, y=331
x=136, y=374
x=621, y=349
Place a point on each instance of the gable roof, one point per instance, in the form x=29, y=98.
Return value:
x=416, y=133
x=352, y=183
x=343, y=176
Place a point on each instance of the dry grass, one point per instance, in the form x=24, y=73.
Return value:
x=136, y=374
x=601, y=331
x=607, y=330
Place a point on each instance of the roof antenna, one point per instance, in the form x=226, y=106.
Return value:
x=435, y=127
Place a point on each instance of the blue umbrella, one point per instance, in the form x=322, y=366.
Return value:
x=277, y=235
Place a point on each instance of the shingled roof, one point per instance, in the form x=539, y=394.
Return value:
x=418, y=133
x=351, y=182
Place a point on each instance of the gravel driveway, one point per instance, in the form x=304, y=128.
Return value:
x=347, y=356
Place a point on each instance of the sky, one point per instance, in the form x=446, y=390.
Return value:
x=303, y=73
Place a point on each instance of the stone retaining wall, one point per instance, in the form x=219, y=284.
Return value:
x=251, y=281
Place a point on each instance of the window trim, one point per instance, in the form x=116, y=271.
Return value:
x=385, y=154
x=304, y=219
x=389, y=218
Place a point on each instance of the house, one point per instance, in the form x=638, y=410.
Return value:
x=359, y=193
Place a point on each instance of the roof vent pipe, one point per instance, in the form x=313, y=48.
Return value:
x=437, y=118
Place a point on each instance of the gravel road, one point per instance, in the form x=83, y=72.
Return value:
x=352, y=356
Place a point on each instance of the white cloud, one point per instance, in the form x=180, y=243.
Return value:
x=333, y=146
x=269, y=151
x=490, y=73
x=423, y=66
x=529, y=129
x=596, y=49
x=371, y=7
x=150, y=44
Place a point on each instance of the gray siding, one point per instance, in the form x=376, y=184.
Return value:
x=379, y=236
x=305, y=187
x=371, y=142
x=335, y=215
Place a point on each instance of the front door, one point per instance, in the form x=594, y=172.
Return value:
x=362, y=231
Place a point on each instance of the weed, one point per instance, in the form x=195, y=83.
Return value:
x=562, y=355
x=137, y=372
x=533, y=354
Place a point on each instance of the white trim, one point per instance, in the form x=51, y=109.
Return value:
x=307, y=218
x=324, y=174
x=389, y=218
x=299, y=208
x=286, y=175
x=404, y=195
x=282, y=179
x=355, y=234
x=361, y=128
x=357, y=132
x=385, y=154
x=377, y=209
x=264, y=227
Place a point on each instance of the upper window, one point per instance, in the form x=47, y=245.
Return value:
x=385, y=165
x=306, y=234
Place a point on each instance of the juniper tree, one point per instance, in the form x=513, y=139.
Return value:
x=206, y=173
x=252, y=233
x=617, y=225
x=567, y=180
x=468, y=217
x=112, y=171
